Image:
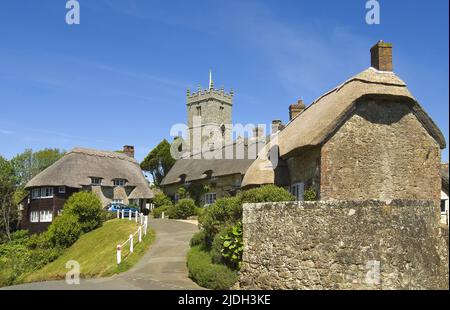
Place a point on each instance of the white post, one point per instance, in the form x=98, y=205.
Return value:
x=162, y=215
x=123, y=214
x=119, y=254
x=142, y=218
x=131, y=243
x=136, y=216
x=145, y=225
x=129, y=215
x=118, y=214
x=140, y=233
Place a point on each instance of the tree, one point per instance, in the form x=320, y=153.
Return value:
x=159, y=161
x=28, y=164
x=86, y=206
x=9, y=212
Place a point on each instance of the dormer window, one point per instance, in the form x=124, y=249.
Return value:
x=119, y=182
x=96, y=181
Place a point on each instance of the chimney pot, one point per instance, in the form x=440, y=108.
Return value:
x=277, y=125
x=128, y=150
x=381, y=56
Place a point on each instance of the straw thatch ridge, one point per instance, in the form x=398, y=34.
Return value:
x=76, y=168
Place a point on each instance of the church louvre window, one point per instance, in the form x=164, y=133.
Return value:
x=199, y=111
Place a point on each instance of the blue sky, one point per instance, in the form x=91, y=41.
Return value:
x=120, y=77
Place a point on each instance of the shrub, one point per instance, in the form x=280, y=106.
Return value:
x=224, y=212
x=207, y=274
x=183, y=209
x=267, y=193
x=107, y=216
x=41, y=241
x=198, y=239
x=65, y=230
x=217, y=245
x=232, y=246
x=157, y=212
x=87, y=207
x=310, y=194
x=161, y=199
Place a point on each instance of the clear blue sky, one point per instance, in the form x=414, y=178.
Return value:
x=121, y=76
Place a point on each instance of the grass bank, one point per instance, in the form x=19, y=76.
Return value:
x=96, y=253
x=207, y=274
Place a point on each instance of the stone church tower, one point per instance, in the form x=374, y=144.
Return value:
x=209, y=118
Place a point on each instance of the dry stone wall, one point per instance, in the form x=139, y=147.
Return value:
x=344, y=245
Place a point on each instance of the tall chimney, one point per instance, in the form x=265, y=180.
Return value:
x=381, y=56
x=296, y=109
x=258, y=132
x=277, y=125
x=128, y=150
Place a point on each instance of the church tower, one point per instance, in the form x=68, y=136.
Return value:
x=209, y=117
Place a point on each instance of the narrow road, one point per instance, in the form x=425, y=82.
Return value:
x=163, y=267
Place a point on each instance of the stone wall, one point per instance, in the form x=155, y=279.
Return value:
x=381, y=152
x=344, y=245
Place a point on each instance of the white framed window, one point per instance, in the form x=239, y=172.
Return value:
x=298, y=190
x=46, y=216
x=35, y=193
x=46, y=192
x=61, y=189
x=176, y=197
x=210, y=198
x=119, y=182
x=96, y=181
x=34, y=216
x=117, y=201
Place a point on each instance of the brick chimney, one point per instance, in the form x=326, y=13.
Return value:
x=381, y=56
x=128, y=150
x=277, y=125
x=296, y=109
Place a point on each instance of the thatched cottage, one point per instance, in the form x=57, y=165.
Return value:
x=112, y=176
x=368, y=138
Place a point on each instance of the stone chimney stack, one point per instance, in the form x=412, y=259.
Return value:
x=381, y=56
x=296, y=109
x=277, y=125
x=128, y=150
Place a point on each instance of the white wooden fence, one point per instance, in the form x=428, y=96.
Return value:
x=142, y=229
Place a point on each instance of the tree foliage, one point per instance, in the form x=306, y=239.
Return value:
x=9, y=213
x=87, y=208
x=28, y=164
x=159, y=161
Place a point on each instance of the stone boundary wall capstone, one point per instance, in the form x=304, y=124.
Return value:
x=395, y=244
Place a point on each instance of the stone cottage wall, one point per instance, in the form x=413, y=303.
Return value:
x=344, y=245
x=381, y=152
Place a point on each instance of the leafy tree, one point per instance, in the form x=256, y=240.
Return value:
x=28, y=164
x=159, y=161
x=161, y=199
x=9, y=213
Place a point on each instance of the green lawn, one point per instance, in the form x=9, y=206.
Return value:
x=96, y=253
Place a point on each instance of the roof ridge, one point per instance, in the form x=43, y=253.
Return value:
x=101, y=153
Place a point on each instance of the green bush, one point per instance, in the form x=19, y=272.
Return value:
x=232, y=246
x=65, y=230
x=224, y=212
x=217, y=245
x=87, y=208
x=157, y=212
x=198, y=239
x=182, y=209
x=41, y=241
x=160, y=200
x=310, y=194
x=209, y=275
x=108, y=215
x=267, y=193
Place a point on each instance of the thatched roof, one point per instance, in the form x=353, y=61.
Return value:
x=317, y=122
x=197, y=169
x=243, y=153
x=444, y=177
x=324, y=115
x=76, y=168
